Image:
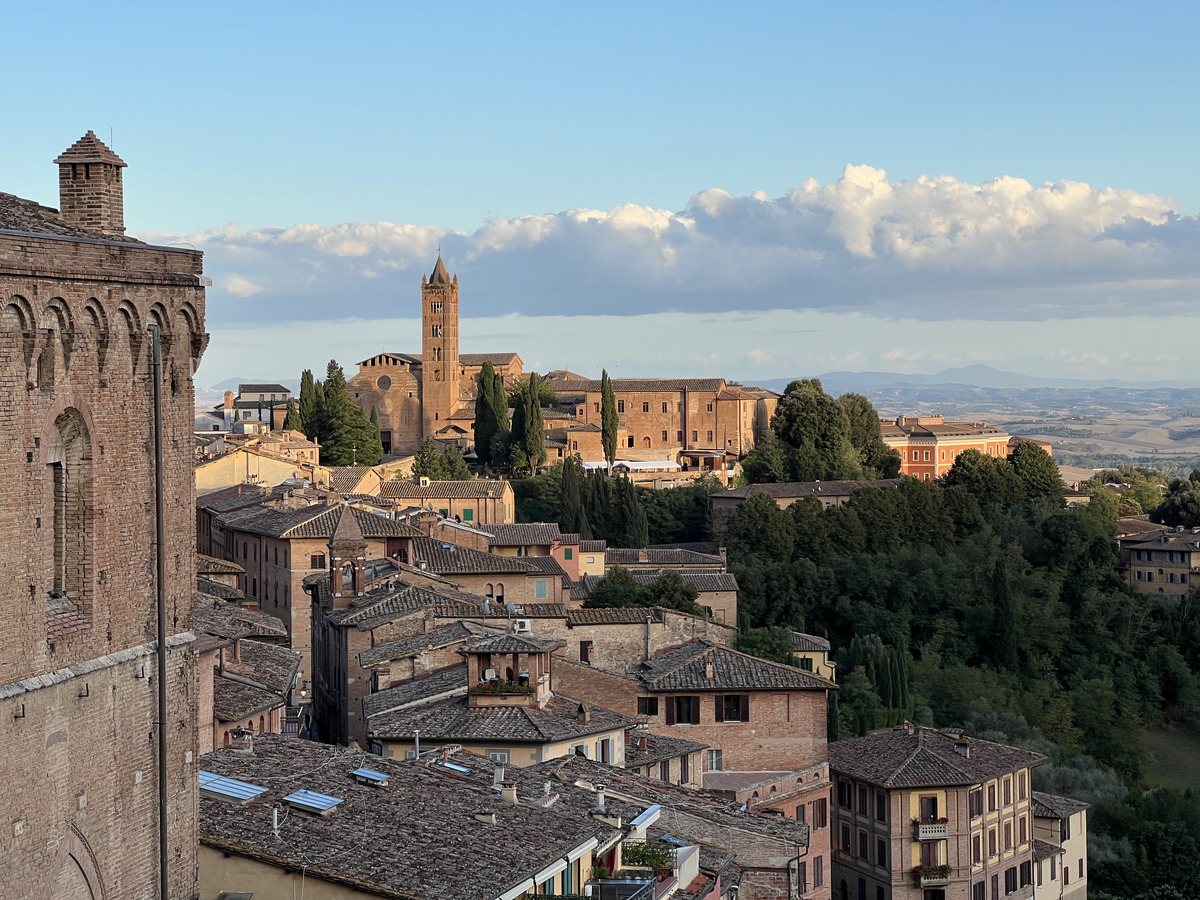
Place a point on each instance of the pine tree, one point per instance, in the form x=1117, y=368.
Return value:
x=344, y=423
x=308, y=405
x=535, y=428
x=486, y=421
x=428, y=462
x=291, y=422
x=608, y=418
x=455, y=466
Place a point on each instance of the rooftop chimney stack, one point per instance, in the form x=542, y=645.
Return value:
x=241, y=741
x=90, y=195
x=508, y=793
x=600, y=808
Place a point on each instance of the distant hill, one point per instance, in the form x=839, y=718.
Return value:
x=969, y=376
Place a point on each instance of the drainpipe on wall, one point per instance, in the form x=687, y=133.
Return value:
x=161, y=571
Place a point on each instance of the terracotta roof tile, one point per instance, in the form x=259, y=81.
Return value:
x=686, y=669
x=925, y=758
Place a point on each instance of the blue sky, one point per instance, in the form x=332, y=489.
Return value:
x=480, y=126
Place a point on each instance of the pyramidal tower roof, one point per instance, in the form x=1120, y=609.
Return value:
x=90, y=149
x=348, y=531
x=440, y=275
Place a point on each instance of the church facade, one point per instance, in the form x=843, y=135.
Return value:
x=433, y=394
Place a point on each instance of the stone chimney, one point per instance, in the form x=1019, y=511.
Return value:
x=508, y=793
x=229, y=400
x=89, y=187
x=241, y=741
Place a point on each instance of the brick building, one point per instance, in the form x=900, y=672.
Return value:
x=928, y=445
x=754, y=714
x=78, y=644
x=431, y=395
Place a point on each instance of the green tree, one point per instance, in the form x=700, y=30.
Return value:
x=858, y=698
x=817, y=426
x=608, y=418
x=670, y=591
x=599, y=504
x=768, y=463
x=535, y=426
x=310, y=411
x=617, y=590
x=487, y=419
x=456, y=467
x=572, y=516
x=429, y=462
x=1181, y=505
x=543, y=392
x=866, y=436
x=629, y=526
x=342, y=431
x=291, y=421
x=1004, y=635
x=1037, y=471
x=372, y=452
x=517, y=428
x=773, y=643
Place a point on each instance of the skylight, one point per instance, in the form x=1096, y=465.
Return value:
x=370, y=776
x=311, y=801
x=230, y=789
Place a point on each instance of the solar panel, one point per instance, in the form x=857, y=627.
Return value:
x=455, y=767
x=221, y=788
x=312, y=801
x=370, y=775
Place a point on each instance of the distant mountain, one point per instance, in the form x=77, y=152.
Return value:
x=979, y=376
x=231, y=384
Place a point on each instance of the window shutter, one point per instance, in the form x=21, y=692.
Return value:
x=671, y=710
x=695, y=710
x=719, y=710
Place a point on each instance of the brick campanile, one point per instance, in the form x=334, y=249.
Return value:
x=439, y=348
x=89, y=186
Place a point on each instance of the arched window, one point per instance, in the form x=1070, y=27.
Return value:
x=487, y=591
x=500, y=592
x=646, y=442
x=69, y=479
x=348, y=577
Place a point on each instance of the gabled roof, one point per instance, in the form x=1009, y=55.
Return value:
x=257, y=681
x=510, y=643
x=639, y=385
x=450, y=559
x=90, y=149
x=522, y=534
x=478, y=359
x=686, y=669
x=474, y=489
x=1051, y=806
x=317, y=521
x=347, y=532
x=809, y=643
x=925, y=758
x=623, y=616
x=263, y=389
x=455, y=720
x=435, y=685
x=445, y=636
x=666, y=557
x=395, y=601
x=210, y=565
x=344, y=479
x=230, y=620
x=704, y=582
x=657, y=749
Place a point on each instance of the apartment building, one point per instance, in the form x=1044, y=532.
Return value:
x=1161, y=562
x=929, y=445
x=923, y=814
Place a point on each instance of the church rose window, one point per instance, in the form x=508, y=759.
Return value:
x=383, y=383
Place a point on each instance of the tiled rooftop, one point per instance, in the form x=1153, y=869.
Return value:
x=435, y=685
x=345, y=479
x=686, y=669
x=925, y=758
x=427, y=812
x=396, y=600
x=809, y=643
x=1051, y=806
x=523, y=534
x=666, y=557
x=445, y=636
x=454, y=720
x=505, y=642
x=30, y=217
x=210, y=565
x=658, y=748
x=235, y=700
x=475, y=489
x=317, y=521
x=451, y=559
x=623, y=616
x=640, y=385
x=704, y=582
x=230, y=620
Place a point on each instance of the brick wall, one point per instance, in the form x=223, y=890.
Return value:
x=75, y=388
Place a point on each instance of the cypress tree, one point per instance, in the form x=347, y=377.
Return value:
x=308, y=404
x=573, y=517
x=630, y=525
x=599, y=505
x=518, y=422
x=486, y=421
x=370, y=445
x=1004, y=637
x=319, y=425
x=291, y=422
x=608, y=418
x=535, y=429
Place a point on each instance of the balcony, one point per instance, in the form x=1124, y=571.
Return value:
x=932, y=876
x=931, y=831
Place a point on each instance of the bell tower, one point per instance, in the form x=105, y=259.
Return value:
x=439, y=348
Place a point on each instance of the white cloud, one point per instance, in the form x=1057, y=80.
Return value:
x=933, y=248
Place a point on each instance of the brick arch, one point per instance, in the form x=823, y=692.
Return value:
x=75, y=874
x=17, y=331
x=128, y=333
x=187, y=329
x=93, y=329
x=58, y=327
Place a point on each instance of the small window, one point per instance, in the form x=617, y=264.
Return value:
x=597, y=405
x=620, y=406
x=498, y=756
x=881, y=807
x=645, y=407
x=664, y=407
x=647, y=706
x=683, y=710
x=975, y=803
x=569, y=553
x=733, y=708
x=695, y=436
x=881, y=853
x=820, y=813
x=710, y=437
x=630, y=441
x=317, y=561
x=664, y=437
x=468, y=515
x=664, y=770
x=539, y=589
x=585, y=652
x=805, y=663
x=710, y=407
x=679, y=436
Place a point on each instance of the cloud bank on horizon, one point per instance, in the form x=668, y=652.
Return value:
x=932, y=249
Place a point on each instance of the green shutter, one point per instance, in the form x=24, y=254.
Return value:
x=468, y=515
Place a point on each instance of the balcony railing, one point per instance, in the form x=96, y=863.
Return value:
x=932, y=876
x=931, y=831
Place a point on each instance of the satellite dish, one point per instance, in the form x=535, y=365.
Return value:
x=487, y=606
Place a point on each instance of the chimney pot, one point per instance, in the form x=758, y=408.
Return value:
x=241, y=741
x=508, y=793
